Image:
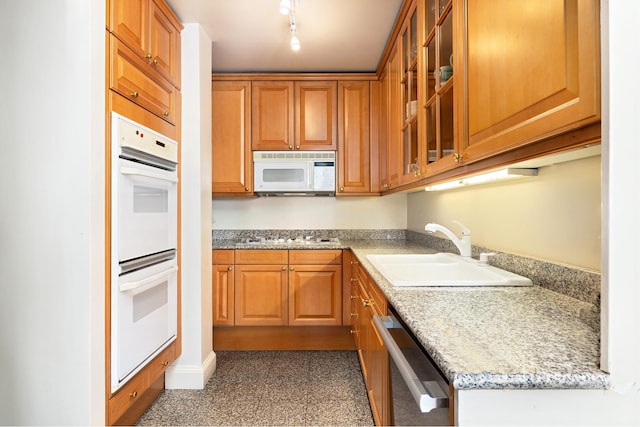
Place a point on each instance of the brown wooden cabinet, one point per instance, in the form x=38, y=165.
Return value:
x=315, y=287
x=354, y=142
x=130, y=77
x=272, y=117
x=315, y=112
x=151, y=30
x=261, y=290
x=288, y=115
x=223, y=288
x=367, y=301
x=231, y=159
x=530, y=76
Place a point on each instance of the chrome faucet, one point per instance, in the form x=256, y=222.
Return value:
x=463, y=244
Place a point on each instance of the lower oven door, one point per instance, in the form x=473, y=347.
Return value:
x=419, y=392
x=144, y=318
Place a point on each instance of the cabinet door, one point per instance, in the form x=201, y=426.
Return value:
x=261, y=295
x=532, y=73
x=129, y=21
x=354, y=166
x=315, y=295
x=315, y=111
x=164, y=44
x=378, y=374
x=272, y=115
x=223, y=295
x=132, y=78
x=231, y=162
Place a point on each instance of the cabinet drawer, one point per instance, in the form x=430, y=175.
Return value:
x=261, y=256
x=159, y=364
x=315, y=257
x=127, y=396
x=222, y=256
x=133, y=78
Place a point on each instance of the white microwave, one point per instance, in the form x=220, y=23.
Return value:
x=294, y=172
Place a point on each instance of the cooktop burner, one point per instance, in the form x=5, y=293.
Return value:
x=308, y=240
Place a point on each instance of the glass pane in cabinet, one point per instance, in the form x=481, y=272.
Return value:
x=430, y=11
x=410, y=140
x=446, y=50
x=405, y=52
x=430, y=55
x=446, y=122
x=442, y=4
x=413, y=37
x=431, y=133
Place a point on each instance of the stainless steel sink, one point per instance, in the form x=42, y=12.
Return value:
x=442, y=269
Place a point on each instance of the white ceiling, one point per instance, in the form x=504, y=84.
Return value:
x=252, y=35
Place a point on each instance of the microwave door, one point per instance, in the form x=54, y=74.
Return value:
x=285, y=176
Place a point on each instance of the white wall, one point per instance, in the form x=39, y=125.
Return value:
x=554, y=216
x=289, y=213
x=197, y=362
x=52, y=212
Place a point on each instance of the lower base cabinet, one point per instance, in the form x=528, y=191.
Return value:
x=366, y=301
x=273, y=287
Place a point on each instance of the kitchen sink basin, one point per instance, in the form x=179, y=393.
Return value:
x=442, y=269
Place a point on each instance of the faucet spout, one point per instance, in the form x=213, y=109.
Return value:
x=463, y=244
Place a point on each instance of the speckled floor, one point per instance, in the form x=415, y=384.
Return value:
x=271, y=388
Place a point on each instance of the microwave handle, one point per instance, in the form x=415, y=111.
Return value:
x=140, y=285
x=139, y=172
x=427, y=394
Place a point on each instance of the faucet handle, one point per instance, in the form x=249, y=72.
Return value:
x=484, y=257
x=465, y=230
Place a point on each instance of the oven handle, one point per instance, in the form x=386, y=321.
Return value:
x=427, y=394
x=142, y=285
x=140, y=172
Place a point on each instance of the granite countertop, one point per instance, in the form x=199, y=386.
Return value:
x=486, y=338
x=495, y=338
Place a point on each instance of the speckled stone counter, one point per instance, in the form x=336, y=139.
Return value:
x=485, y=338
x=495, y=338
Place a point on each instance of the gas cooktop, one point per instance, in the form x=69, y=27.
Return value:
x=308, y=240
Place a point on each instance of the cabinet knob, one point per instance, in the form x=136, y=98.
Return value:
x=246, y=188
x=165, y=363
x=353, y=279
x=352, y=331
x=297, y=147
x=354, y=314
x=154, y=62
x=457, y=157
x=149, y=56
x=354, y=297
x=134, y=94
x=290, y=268
x=229, y=268
x=284, y=268
x=367, y=302
x=166, y=114
x=133, y=394
x=341, y=188
x=291, y=147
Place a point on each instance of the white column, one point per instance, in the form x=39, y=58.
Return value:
x=197, y=362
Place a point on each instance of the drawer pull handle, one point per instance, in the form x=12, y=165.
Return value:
x=133, y=394
x=134, y=94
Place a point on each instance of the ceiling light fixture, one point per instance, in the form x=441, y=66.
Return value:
x=287, y=7
x=484, y=178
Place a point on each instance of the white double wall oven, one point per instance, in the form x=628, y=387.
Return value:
x=144, y=268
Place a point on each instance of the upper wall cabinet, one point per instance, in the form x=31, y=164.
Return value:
x=152, y=32
x=275, y=106
x=533, y=71
x=354, y=143
x=232, y=164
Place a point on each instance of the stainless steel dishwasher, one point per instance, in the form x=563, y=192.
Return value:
x=419, y=391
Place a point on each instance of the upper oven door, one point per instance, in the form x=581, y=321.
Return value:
x=285, y=176
x=146, y=210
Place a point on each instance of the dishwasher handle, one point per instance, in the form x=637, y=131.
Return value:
x=427, y=394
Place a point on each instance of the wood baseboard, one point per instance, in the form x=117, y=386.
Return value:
x=283, y=338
